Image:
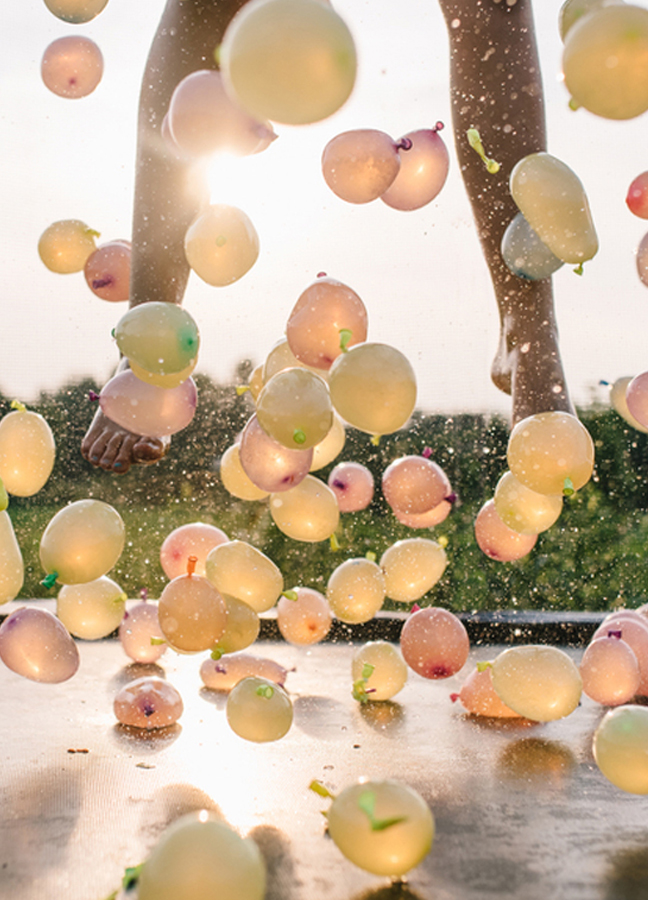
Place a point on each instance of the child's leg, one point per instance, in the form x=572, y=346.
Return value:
x=496, y=87
x=168, y=195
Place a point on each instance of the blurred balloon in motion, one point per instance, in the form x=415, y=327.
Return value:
x=642, y=260
x=161, y=338
x=290, y=61
x=82, y=542
x=76, y=12
x=618, y=400
x=221, y=245
x=552, y=199
x=203, y=119
x=107, y=271
x=147, y=409
x=360, y=165
x=423, y=170
x=64, y=247
x=605, y=61
x=637, y=196
x=72, y=67
x=525, y=254
x=621, y=748
x=27, y=451
x=36, y=645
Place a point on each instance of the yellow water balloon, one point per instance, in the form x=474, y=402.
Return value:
x=239, y=570
x=12, y=570
x=82, y=542
x=307, y=512
x=26, y=452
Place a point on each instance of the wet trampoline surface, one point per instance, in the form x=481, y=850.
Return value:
x=521, y=809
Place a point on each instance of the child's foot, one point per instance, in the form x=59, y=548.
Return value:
x=110, y=447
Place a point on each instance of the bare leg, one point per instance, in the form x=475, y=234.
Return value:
x=496, y=87
x=168, y=195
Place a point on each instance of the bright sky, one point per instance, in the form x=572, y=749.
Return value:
x=420, y=274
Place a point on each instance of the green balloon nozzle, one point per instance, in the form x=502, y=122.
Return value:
x=345, y=336
x=50, y=580
x=475, y=142
x=18, y=406
x=298, y=436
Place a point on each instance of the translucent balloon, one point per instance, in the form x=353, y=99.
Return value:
x=280, y=357
x=240, y=570
x=256, y=381
x=353, y=485
x=192, y=613
x=269, y=465
x=415, y=484
x=91, y=611
x=195, y=539
x=330, y=447
x=162, y=381
x=26, y=452
x=204, y=120
x=551, y=453
x=147, y=409
x=621, y=748
x=383, y=827
x=307, y=512
x=637, y=197
x=305, y=618
x=149, y=703
x=72, y=67
x=525, y=254
x=107, y=271
x=235, y=479
x=572, y=10
x=478, y=696
x=610, y=671
x=161, y=338
x=221, y=245
x=82, y=542
x=273, y=46
x=75, y=11
x=325, y=313
x=34, y=644
x=242, y=627
x=64, y=247
x=356, y=590
x=642, y=260
x=429, y=519
x=388, y=673
x=373, y=387
x=434, y=643
x=259, y=710
x=294, y=408
x=423, y=170
x=605, y=61
x=540, y=683
x=524, y=510
x=618, y=400
x=633, y=629
x=223, y=674
x=497, y=540
x=360, y=165
x=412, y=567
x=140, y=633
x=12, y=569
x=221, y=863
x=552, y=199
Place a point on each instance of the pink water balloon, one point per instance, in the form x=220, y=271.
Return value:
x=423, y=170
x=196, y=539
x=147, y=409
x=268, y=464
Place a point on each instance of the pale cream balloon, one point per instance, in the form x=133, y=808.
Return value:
x=538, y=682
x=82, y=542
x=12, y=569
x=26, y=452
x=356, y=590
x=240, y=570
x=91, y=611
x=308, y=512
x=330, y=447
x=412, y=567
x=524, y=510
x=242, y=628
x=235, y=479
x=388, y=673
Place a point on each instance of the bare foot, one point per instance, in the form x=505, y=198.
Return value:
x=110, y=447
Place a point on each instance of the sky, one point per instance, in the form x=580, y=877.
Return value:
x=420, y=274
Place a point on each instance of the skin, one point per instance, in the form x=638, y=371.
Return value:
x=495, y=87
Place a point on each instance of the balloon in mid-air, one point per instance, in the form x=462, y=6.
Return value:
x=72, y=67
x=161, y=338
x=26, y=451
x=221, y=245
x=147, y=409
x=82, y=542
x=290, y=61
x=12, y=570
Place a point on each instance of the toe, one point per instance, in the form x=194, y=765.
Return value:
x=112, y=449
x=124, y=458
x=94, y=451
x=149, y=449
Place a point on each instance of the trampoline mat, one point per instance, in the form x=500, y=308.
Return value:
x=521, y=809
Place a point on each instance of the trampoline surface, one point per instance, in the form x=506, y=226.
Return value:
x=521, y=809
